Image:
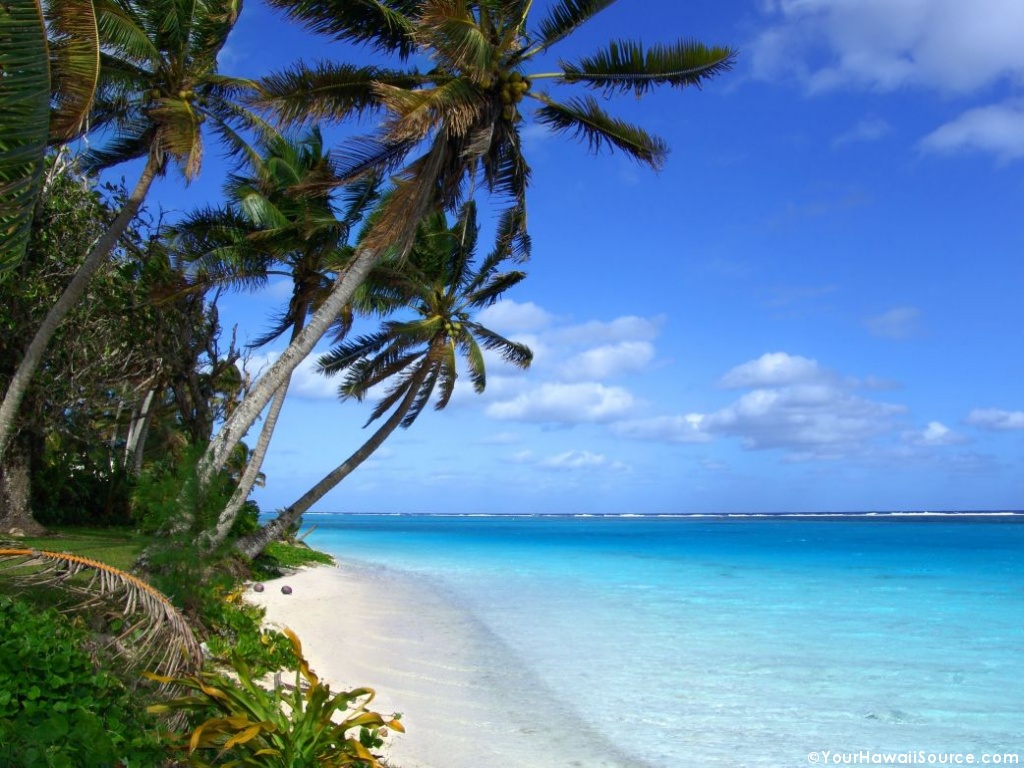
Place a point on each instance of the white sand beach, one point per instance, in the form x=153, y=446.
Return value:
x=465, y=702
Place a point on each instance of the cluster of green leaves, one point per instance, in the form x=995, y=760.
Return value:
x=56, y=709
x=302, y=726
x=236, y=633
x=279, y=555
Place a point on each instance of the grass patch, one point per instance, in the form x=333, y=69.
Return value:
x=279, y=556
x=119, y=547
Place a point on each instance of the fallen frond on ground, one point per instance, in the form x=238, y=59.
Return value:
x=150, y=633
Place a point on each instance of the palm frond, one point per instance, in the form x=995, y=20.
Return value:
x=178, y=134
x=155, y=635
x=585, y=119
x=122, y=32
x=327, y=91
x=488, y=293
x=75, y=64
x=24, y=104
x=564, y=18
x=450, y=32
x=475, y=360
x=624, y=66
x=512, y=352
x=383, y=26
x=455, y=104
x=426, y=389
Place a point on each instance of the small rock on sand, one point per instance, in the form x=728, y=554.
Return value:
x=286, y=590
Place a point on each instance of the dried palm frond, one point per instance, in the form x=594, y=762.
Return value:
x=153, y=635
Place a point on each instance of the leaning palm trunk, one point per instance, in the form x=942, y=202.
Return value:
x=76, y=288
x=227, y=517
x=252, y=470
x=253, y=544
x=395, y=231
x=155, y=636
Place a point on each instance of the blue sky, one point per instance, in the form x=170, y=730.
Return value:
x=816, y=305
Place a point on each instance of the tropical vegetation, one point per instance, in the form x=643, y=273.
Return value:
x=126, y=403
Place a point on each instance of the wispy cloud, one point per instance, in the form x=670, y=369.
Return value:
x=997, y=129
x=899, y=324
x=867, y=130
x=556, y=403
x=995, y=419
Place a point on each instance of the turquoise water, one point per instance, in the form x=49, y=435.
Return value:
x=740, y=641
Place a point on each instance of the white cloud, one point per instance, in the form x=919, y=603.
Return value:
x=557, y=403
x=510, y=317
x=667, y=429
x=305, y=383
x=822, y=419
x=869, y=129
x=935, y=434
x=998, y=129
x=773, y=369
x=898, y=324
x=609, y=360
x=996, y=419
x=794, y=405
x=628, y=328
x=574, y=460
x=946, y=45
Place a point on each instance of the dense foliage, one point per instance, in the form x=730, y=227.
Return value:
x=302, y=725
x=56, y=708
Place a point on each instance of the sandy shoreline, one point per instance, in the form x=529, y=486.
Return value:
x=464, y=700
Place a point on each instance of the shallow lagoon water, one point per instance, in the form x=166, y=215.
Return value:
x=737, y=640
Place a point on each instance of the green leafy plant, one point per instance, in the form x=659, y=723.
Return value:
x=236, y=633
x=56, y=708
x=285, y=727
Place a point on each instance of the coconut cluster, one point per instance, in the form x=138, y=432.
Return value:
x=509, y=89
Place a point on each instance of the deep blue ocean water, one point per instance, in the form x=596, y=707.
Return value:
x=739, y=640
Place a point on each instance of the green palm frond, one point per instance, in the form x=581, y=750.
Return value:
x=128, y=146
x=512, y=352
x=75, y=64
x=564, y=18
x=122, y=31
x=450, y=32
x=475, y=360
x=327, y=91
x=585, y=119
x=492, y=290
x=625, y=66
x=24, y=106
x=435, y=376
x=383, y=26
x=155, y=636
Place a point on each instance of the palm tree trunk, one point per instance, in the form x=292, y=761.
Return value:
x=234, y=429
x=252, y=470
x=252, y=545
x=15, y=495
x=138, y=432
x=96, y=258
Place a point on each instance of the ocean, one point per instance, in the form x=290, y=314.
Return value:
x=781, y=640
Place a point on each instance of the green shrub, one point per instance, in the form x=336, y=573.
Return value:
x=278, y=555
x=235, y=633
x=282, y=728
x=57, y=710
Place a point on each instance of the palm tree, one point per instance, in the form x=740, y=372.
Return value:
x=442, y=286
x=38, y=74
x=459, y=121
x=274, y=225
x=158, y=85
